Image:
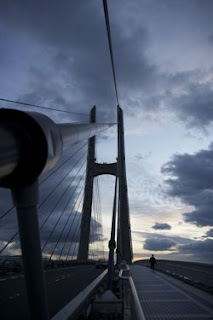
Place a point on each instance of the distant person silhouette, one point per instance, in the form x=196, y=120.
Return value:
x=152, y=261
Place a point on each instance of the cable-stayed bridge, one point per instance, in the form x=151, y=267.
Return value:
x=61, y=236
x=52, y=173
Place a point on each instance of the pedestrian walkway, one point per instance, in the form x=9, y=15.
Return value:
x=163, y=297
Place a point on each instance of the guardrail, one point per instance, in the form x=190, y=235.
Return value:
x=81, y=305
x=132, y=309
x=195, y=273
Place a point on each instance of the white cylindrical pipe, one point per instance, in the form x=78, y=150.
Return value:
x=73, y=133
x=31, y=143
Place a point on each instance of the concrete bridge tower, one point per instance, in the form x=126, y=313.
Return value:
x=124, y=242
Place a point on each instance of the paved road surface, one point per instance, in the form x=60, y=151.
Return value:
x=62, y=285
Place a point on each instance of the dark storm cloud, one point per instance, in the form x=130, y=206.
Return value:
x=48, y=91
x=161, y=226
x=76, y=34
x=210, y=38
x=147, y=235
x=72, y=224
x=66, y=231
x=192, y=182
x=156, y=244
x=180, y=248
x=78, y=73
x=79, y=62
x=195, y=107
x=198, y=247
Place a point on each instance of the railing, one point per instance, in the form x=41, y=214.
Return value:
x=127, y=301
x=195, y=273
x=131, y=305
x=81, y=305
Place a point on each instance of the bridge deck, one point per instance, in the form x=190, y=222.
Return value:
x=163, y=297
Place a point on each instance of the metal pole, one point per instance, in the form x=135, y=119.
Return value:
x=112, y=243
x=25, y=199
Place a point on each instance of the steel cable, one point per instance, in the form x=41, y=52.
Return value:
x=76, y=229
x=106, y=13
x=14, y=236
x=72, y=222
x=70, y=157
x=41, y=107
x=62, y=194
x=62, y=211
x=67, y=220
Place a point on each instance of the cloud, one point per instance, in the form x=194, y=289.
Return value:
x=161, y=226
x=180, y=248
x=67, y=65
x=195, y=105
x=149, y=235
x=209, y=233
x=192, y=181
x=157, y=244
x=72, y=66
x=198, y=247
x=78, y=72
x=210, y=38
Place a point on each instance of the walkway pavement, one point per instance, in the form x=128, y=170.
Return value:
x=163, y=297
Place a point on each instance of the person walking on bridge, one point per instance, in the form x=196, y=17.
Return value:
x=152, y=261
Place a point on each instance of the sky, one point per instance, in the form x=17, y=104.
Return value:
x=55, y=53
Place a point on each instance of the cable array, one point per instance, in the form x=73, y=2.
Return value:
x=65, y=207
x=80, y=195
x=63, y=177
x=96, y=248
x=76, y=234
x=59, y=166
x=100, y=230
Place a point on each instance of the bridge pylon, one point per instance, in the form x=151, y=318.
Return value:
x=124, y=242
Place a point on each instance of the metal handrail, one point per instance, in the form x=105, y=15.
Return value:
x=136, y=308
x=138, y=313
